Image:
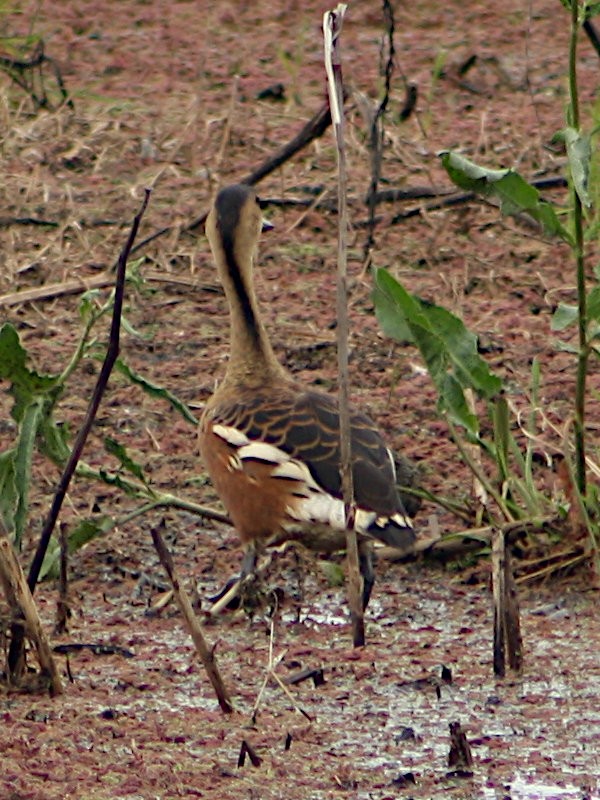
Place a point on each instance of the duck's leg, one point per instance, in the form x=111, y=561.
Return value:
x=367, y=571
x=231, y=591
x=249, y=561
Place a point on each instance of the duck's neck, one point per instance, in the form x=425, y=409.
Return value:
x=252, y=360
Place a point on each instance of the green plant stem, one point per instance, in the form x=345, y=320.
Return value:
x=155, y=499
x=81, y=345
x=583, y=350
x=478, y=473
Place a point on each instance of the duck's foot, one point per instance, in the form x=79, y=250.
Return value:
x=249, y=590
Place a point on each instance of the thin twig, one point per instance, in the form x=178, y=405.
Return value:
x=16, y=648
x=332, y=28
x=377, y=134
x=270, y=673
x=207, y=655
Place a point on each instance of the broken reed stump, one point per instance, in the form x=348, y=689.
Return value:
x=507, y=626
x=25, y=616
x=192, y=623
x=460, y=759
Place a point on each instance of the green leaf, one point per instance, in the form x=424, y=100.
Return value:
x=448, y=349
x=25, y=383
x=593, y=304
x=591, y=10
x=452, y=399
x=514, y=194
x=53, y=438
x=567, y=347
x=579, y=153
x=88, y=304
x=8, y=490
x=114, y=448
x=564, y=316
x=127, y=326
x=155, y=391
x=34, y=398
x=392, y=323
x=114, y=479
x=22, y=465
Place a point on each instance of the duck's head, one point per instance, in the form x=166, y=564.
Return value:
x=234, y=224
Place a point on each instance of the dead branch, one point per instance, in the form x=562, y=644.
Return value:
x=455, y=199
x=96, y=282
x=26, y=619
x=192, y=623
x=313, y=129
x=6, y=222
x=460, y=758
x=16, y=646
x=507, y=626
x=448, y=199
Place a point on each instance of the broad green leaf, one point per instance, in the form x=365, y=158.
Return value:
x=564, y=316
x=34, y=398
x=25, y=383
x=514, y=194
x=393, y=324
x=448, y=349
x=84, y=532
x=452, y=399
x=114, y=448
x=155, y=391
x=579, y=153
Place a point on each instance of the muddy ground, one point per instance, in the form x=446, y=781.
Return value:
x=165, y=94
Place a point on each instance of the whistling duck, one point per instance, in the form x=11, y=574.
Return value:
x=271, y=445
